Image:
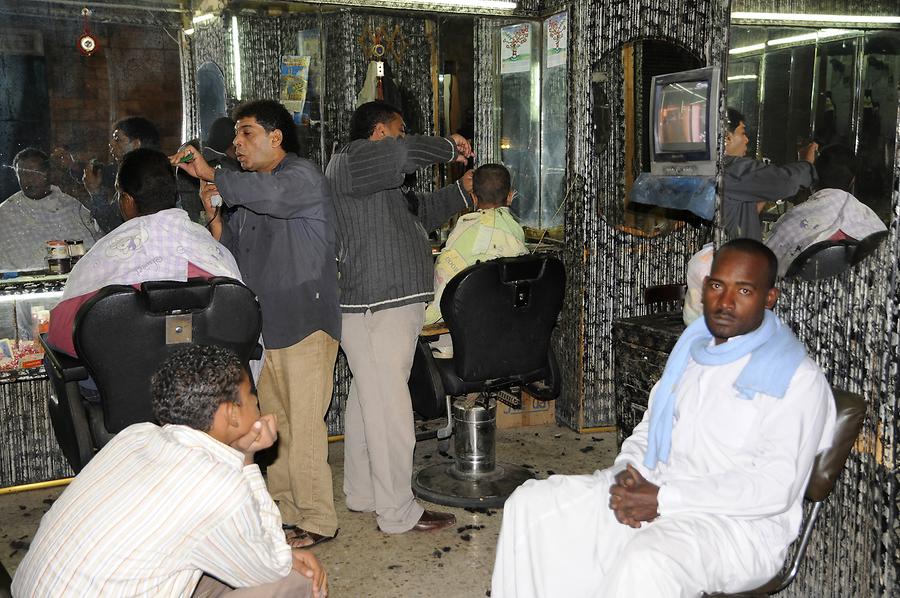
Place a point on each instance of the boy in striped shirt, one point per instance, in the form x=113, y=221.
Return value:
x=178, y=509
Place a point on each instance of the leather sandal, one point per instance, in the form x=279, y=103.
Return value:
x=294, y=534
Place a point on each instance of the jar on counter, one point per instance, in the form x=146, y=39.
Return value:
x=76, y=250
x=58, y=261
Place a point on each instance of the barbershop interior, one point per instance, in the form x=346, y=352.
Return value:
x=623, y=126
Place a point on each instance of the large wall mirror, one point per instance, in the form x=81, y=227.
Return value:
x=532, y=103
x=825, y=84
x=641, y=60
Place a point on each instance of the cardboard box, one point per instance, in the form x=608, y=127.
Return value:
x=532, y=413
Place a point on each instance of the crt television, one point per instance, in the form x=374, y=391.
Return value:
x=684, y=118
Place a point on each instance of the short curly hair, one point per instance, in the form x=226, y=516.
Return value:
x=192, y=382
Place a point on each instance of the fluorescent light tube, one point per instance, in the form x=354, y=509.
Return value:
x=741, y=77
x=236, y=53
x=502, y=4
x=812, y=18
x=745, y=49
x=203, y=18
x=821, y=34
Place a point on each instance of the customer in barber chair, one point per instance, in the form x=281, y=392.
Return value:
x=157, y=241
x=178, y=509
x=831, y=213
x=706, y=494
x=490, y=232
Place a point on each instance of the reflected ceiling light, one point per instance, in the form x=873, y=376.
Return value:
x=471, y=3
x=745, y=49
x=775, y=16
x=741, y=77
x=189, y=31
x=203, y=18
x=820, y=34
x=236, y=54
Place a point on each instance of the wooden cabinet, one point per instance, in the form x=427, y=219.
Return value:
x=641, y=346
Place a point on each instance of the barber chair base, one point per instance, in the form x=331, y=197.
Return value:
x=474, y=479
x=444, y=484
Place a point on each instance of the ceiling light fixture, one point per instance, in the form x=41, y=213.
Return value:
x=812, y=18
x=742, y=77
x=189, y=31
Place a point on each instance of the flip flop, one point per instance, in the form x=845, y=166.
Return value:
x=294, y=533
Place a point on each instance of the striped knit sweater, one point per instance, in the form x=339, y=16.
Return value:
x=384, y=256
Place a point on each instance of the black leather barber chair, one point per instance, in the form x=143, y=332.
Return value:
x=122, y=335
x=851, y=413
x=500, y=314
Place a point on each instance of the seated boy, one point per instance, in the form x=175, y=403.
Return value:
x=162, y=508
x=489, y=232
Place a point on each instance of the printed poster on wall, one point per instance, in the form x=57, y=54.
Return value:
x=294, y=79
x=515, y=49
x=556, y=40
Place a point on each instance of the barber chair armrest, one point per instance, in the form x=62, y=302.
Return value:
x=68, y=368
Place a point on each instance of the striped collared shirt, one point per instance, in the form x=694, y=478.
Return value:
x=153, y=511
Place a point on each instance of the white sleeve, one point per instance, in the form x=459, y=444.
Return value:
x=248, y=548
x=770, y=478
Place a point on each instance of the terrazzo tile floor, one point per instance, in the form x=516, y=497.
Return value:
x=364, y=562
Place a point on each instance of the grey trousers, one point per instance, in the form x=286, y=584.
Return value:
x=293, y=586
x=379, y=434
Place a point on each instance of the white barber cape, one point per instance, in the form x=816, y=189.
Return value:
x=153, y=247
x=730, y=499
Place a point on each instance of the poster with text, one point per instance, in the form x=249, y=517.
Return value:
x=515, y=49
x=556, y=40
x=294, y=79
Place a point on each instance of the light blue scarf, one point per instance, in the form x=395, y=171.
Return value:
x=775, y=356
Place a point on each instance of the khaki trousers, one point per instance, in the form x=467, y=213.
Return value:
x=379, y=434
x=296, y=385
x=292, y=586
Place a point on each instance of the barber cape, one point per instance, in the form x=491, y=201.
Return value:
x=154, y=247
x=820, y=217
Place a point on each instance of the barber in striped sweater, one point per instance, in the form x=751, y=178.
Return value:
x=386, y=279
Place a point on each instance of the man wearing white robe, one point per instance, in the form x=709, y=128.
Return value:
x=719, y=507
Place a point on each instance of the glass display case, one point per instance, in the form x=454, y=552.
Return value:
x=29, y=452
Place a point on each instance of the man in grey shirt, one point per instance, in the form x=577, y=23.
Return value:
x=282, y=235
x=749, y=184
x=387, y=277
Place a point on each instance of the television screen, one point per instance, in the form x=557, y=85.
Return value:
x=681, y=117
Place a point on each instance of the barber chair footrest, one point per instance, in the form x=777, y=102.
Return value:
x=444, y=484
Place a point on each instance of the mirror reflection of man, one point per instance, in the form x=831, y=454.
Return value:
x=748, y=184
x=706, y=495
x=99, y=179
x=38, y=213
